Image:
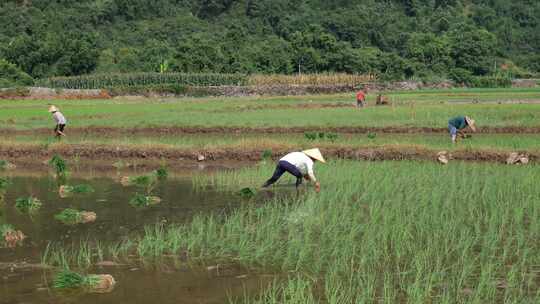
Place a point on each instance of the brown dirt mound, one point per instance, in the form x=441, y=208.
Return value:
x=112, y=153
x=111, y=131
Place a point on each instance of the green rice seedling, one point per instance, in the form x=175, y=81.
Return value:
x=28, y=204
x=142, y=201
x=310, y=135
x=59, y=165
x=332, y=136
x=367, y=230
x=67, y=279
x=162, y=173
x=372, y=135
x=4, y=184
x=266, y=154
x=246, y=192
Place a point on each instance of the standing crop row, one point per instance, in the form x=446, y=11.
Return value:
x=100, y=81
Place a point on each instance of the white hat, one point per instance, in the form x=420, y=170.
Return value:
x=471, y=123
x=53, y=109
x=315, y=154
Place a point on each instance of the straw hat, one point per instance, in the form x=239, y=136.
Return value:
x=471, y=123
x=53, y=109
x=315, y=154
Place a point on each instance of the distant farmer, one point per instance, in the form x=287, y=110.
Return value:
x=457, y=126
x=299, y=164
x=60, y=121
x=361, y=98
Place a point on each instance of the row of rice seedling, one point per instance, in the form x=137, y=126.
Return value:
x=323, y=79
x=381, y=232
x=384, y=232
x=100, y=81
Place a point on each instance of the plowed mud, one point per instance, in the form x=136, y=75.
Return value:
x=110, y=131
x=114, y=153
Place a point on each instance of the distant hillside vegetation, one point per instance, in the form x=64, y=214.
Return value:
x=395, y=39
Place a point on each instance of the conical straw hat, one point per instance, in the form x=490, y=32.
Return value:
x=315, y=154
x=471, y=123
x=53, y=109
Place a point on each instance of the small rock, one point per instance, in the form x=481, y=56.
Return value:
x=442, y=157
x=200, y=157
x=516, y=159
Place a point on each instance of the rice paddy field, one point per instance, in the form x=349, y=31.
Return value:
x=164, y=196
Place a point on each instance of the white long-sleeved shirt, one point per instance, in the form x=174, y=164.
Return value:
x=302, y=162
x=59, y=118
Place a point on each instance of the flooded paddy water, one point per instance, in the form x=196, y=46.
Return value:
x=24, y=280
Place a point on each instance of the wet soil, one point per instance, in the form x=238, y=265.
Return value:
x=24, y=280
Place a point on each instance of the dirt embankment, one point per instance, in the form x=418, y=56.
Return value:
x=114, y=153
x=111, y=131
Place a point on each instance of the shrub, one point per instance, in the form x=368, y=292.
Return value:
x=12, y=76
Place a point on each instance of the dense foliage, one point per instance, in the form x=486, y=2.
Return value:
x=394, y=38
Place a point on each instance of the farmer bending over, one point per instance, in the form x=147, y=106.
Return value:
x=60, y=121
x=457, y=125
x=299, y=164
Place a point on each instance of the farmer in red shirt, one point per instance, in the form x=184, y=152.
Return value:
x=361, y=98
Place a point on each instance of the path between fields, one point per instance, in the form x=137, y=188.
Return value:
x=111, y=153
x=113, y=131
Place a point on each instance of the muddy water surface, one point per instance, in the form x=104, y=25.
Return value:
x=116, y=220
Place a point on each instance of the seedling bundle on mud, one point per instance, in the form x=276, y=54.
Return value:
x=28, y=204
x=72, y=216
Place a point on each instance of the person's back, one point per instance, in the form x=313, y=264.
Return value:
x=360, y=98
x=458, y=122
x=300, y=161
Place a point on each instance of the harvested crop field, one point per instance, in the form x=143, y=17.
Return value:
x=161, y=200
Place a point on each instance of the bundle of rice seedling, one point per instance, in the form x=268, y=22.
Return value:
x=4, y=183
x=5, y=165
x=27, y=204
x=139, y=181
x=98, y=283
x=66, y=190
x=72, y=216
x=246, y=192
x=141, y=201
x=59, y=165
x=10, y=237
x=161, y=173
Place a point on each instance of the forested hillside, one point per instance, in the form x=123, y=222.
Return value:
x=395, y=39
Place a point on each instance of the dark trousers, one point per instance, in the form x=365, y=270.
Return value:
x=282, y=167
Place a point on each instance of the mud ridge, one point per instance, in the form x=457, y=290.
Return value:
x=112, y=131
x=112, y=153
